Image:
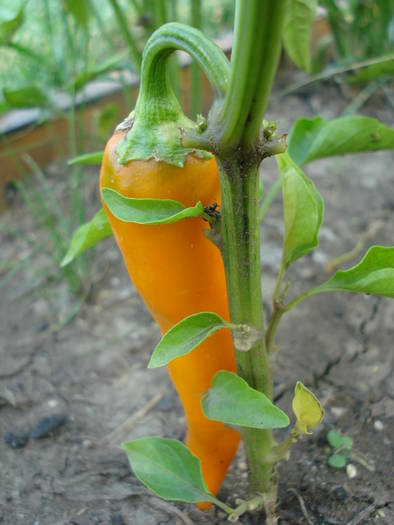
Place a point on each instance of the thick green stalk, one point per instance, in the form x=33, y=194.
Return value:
x=255, y=56
x=241, y=252
x=257, y=44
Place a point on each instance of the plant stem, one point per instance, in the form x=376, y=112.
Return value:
x=255, y=55
x=256, y=49
x=278, y=309
x=241, y=252
x=121, y=19
x=195, y=70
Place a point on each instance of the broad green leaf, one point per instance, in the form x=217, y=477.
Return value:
x=168, y=468
x=312, y=139
x=148, y=211
x=80, y=10
x=87, y=236
x=26, y=97
x=94, y=158
x=303, y=210
x=337, y=461
x=307, y=408
x=232, y=401
x=11, y=18
x=374, y=274
x=381, y=69
x=90, y=74
x=297, y=31
x=186, y=335
x=339, y=441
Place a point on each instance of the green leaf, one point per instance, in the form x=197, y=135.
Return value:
x=339, y=441
x=148, y=211
x=12, y=17
x=94, y=158
x=312, y=139
x=337, y=461
x=168, y=468
x=374, y=274
x=366, y=74
x=232, y=401
x=87, y=236
x=26, y=97
x=94, y=72
x=303, y=210
x=297, y=31
x=80, y=10
x=186, y=335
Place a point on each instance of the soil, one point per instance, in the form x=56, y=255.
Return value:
x=88, y=376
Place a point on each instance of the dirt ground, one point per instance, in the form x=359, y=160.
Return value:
x=92, y=376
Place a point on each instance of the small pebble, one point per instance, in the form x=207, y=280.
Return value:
x=338, y=411
x=117, y=519
x=16, y=440
x=351, y=471
x=47, y=424
x=378, y=425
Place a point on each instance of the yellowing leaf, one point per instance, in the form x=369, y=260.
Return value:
x=307, y=408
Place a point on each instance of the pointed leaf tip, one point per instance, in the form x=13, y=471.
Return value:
x=232, y=401
x=148, y=211
x=186, y=335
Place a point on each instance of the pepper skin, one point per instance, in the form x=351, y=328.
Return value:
x=178, y=272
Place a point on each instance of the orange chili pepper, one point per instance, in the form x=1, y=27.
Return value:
x=178, y=272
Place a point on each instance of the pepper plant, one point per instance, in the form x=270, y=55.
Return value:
x=158, y=185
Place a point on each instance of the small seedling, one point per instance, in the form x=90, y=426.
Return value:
x=342, y=446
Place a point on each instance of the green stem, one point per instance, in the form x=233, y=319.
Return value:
x=121, y=19
x=256, y=49
x=246, y=506
x=222, y=505
x=104, y=33
x=237, y=126
x=305, y=295
x=160, y=17
x=195, y=71
x=158, y=117
x=273, y=326
x=277, y=311
x=241, y=253
x=163, y=43
x=159, y=13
